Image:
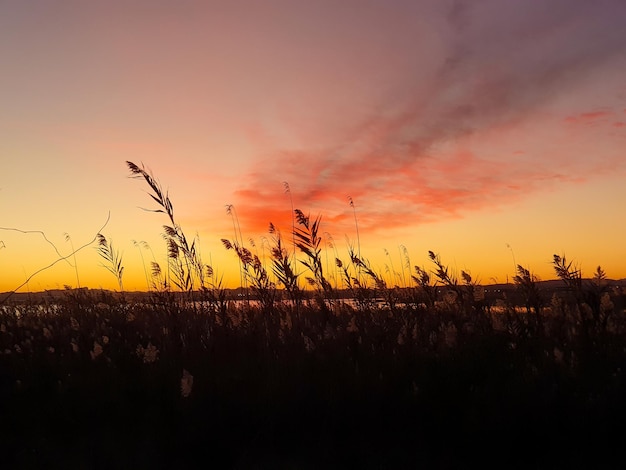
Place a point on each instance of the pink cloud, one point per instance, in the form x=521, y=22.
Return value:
x=401, y=181
x=411, y=160
x=595, y=115
x=386, y=192
x=591, y=117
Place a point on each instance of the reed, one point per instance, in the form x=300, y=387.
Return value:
x=283, y=267
x=69, y=240
x=590, y=296
x=255, y=274
x=230, y=210
x=308, y=241
x=139, y=245
x=358, y=237
x=355, y=277
x=113, y=259
x=287, y=190
x=526, y=282
x=424, y=378
x=426, y=293
x=184, y=261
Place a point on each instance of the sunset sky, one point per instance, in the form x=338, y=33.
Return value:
x=492, y=132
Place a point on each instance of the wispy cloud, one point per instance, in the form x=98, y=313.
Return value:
x=423, y=158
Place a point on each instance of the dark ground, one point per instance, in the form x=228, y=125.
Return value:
x=412, y=389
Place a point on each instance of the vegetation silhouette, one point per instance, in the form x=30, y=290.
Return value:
x=373, y=374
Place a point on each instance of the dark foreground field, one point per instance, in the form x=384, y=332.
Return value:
x=94, y=383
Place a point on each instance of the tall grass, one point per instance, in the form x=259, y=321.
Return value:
x=293, y=226
x=527, y=283
x=185, y=266
x=436, y=374
x=308, y=241
x=139, y=245
x=283, y=266
x=113, y=259
x=255, y=274
x=69, y=240
x=590, y=296
x=419, y=384
x=230, y=210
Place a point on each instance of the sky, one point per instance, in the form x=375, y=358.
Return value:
x=492, y=132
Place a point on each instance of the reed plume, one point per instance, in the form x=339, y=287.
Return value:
x=112, y=257
x=188, y=269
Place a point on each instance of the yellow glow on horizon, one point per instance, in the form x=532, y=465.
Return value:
x=486, y=245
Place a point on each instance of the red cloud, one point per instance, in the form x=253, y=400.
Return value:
x=387, y=191
x=589, y=117
x=411, y=161
x=595, y=115
x=397, y=181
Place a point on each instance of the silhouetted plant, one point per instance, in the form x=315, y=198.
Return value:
x=188, y=269
x=139, y=245
x=69, y=239
x=216, y=293
x=526, y=283
x=113, y=258
x=159, y=281
x=358, y=238
x=426, y=292
x=230, y=210
x=255, y=273
x=89, y=358
x=282, y=267
x=93, y=358
x=330, y=245
x=394, y=276
x=379, y=287
x=589, y=295
x=308, y=242
x=466, y=294
x=568, y=273
x=363, y=295
x=448, y=279
x=571, y=275
x=598, y=298
x=405, y=265
x=178, y=268
x=293, y=226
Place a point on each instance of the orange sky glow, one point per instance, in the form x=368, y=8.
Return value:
x=492, y=133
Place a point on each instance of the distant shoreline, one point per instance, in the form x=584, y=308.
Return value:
x=491, y=290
